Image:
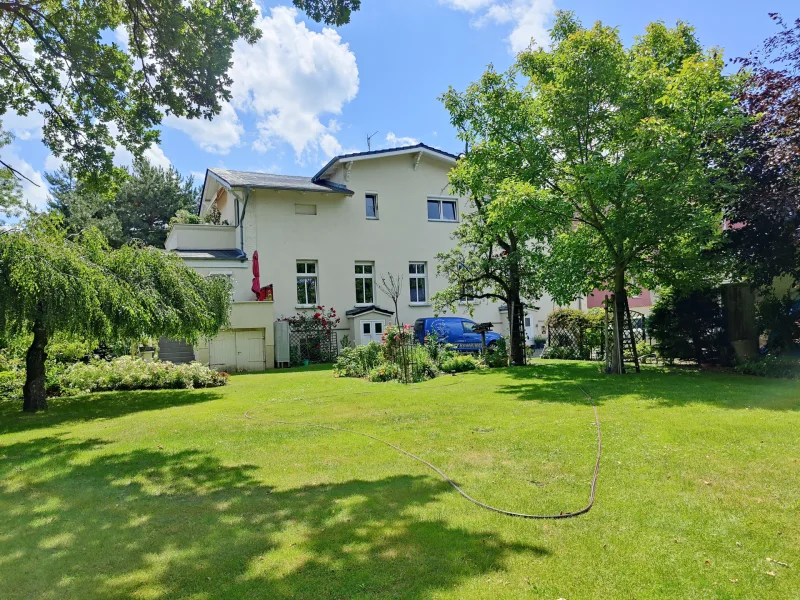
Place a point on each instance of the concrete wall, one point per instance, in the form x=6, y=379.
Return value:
x=201, y=237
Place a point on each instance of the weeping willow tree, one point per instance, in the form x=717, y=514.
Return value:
x=52, y=282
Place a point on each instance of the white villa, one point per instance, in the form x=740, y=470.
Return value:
x=326, y=240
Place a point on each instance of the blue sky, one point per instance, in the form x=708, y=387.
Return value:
x=306, y=92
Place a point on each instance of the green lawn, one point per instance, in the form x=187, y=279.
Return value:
x=175, y=494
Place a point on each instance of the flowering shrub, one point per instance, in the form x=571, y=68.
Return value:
x=395, y=337
x=384, y=372
x=128, y=373
x=322, y=318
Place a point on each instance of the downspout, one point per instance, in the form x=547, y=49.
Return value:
x=241, y=219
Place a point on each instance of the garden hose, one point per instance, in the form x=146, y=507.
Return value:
x=443, y=475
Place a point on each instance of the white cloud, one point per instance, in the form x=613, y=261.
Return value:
x=529, y=18
x=124, y=157
x=393, y=141
x=217, y=136
x=28, y=127
x=290, y=78
x=466, y=5
x=35, y=193
x=53, y=162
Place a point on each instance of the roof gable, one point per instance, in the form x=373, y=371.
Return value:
x=356, y=156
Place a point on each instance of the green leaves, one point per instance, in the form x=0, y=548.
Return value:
x=78, y=284
x=93, y=90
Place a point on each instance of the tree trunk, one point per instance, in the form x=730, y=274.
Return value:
x=516, y=315
x=618, y=323
x=33, y=393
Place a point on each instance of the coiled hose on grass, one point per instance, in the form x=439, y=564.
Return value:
x=443, y=475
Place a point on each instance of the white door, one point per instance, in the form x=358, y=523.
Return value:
x=222, y=351
x=371, y=331
x=250, y=350
x=528, y=331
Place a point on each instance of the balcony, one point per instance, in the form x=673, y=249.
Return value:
x=201, y=237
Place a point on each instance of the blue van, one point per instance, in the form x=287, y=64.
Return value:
x=453, y=330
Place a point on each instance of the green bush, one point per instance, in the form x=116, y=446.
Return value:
x=770, y=365
x=690, y=326
x=128, y=373
x=565, y=353
x=358, y=361
x=423, y=366
x=384, y=372
x=778, y=318
x=460, y=363
x=497, y=354
x=11, y=383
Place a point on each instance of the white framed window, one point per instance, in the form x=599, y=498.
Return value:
x=442, y=208
x=418, y=282
x=307, y=289
x=365, y=283
x=371, y=201
x=467, y=295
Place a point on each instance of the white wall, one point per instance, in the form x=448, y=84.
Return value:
x=339, y=235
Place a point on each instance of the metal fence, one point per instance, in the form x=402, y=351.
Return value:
x=309, y=345
x=408, y=358
x=574, y=342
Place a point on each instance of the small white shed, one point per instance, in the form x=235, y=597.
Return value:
x=367, y=323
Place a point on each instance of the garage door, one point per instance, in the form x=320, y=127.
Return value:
x=222, y=351
x=250, y=350
x=238, y=350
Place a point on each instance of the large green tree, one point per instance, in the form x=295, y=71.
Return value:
x=10, y=190
x=621, y=143
x=85, y=84
x=499, y=252
x=132, y=205
x=52, y=281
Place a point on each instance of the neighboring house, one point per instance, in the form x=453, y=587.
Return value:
x=327, y=240
x=641, y=302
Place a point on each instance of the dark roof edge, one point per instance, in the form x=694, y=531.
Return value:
x=360, y=310
x=421, y=146
x=235, y=253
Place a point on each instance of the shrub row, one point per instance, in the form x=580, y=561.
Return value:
x=125, y=373
x=379, y=362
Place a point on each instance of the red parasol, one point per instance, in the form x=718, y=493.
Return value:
x=256, y=276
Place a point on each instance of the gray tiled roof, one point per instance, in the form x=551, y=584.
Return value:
x=278, y=182
x=235, y=254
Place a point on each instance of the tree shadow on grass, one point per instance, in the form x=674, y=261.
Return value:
x=102, y=405
x=664, y=387
x=80, y=522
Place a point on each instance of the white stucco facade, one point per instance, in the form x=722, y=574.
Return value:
x=333, y=231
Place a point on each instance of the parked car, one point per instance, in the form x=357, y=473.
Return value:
x=454, y=330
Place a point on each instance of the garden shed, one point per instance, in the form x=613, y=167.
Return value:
x=367, y=323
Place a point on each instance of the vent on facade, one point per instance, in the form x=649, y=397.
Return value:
x=305, y=209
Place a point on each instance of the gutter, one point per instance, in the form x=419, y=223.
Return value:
x=244, y=211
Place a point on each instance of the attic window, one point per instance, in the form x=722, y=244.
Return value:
x=305, y=209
